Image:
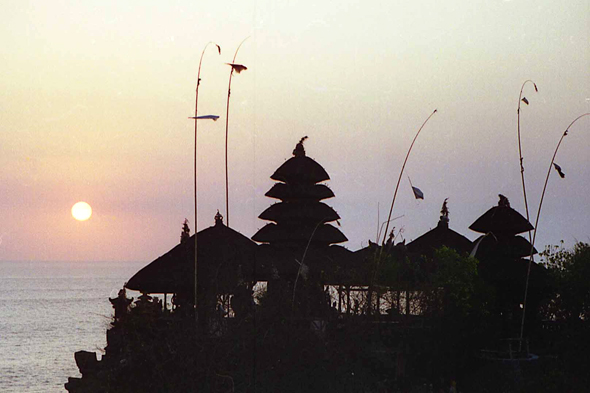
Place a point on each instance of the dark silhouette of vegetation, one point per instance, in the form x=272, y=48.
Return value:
x=562, y=334
x=567, y=315
x=570, y=272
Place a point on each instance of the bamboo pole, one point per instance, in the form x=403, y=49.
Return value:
x=401, y=173
x=520, y=100
x=526, y=288
x=226, y=133
x=380, y=253
x=195, y=160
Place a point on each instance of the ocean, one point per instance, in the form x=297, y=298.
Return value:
x=48, y=311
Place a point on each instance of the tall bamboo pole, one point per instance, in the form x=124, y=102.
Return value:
x=196, y=117
x=526, y=205
x=537, y=222
x=401, y=173
x=380, y=253
x=226, y=133
x=520, y=100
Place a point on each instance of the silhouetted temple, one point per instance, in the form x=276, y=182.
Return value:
x=501, y=253
x=501, y=225
x=299, y=243
x=225, y=263
x=316, y=300
x=300, y=218
x=299, y=257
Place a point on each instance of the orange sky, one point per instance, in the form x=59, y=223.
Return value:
x=95, y=99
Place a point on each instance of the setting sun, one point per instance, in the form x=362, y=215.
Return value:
x=81, y=211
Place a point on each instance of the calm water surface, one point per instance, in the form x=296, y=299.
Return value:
x=48, y=311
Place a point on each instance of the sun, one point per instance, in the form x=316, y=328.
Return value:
x=81, y=211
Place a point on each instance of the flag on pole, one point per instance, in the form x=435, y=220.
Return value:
x=558, y=169
x=205, y=117
x=237, y=67
x=418, y=194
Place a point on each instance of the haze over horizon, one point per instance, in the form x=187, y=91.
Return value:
x=95, y=100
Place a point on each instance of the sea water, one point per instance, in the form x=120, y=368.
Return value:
x=48, y=311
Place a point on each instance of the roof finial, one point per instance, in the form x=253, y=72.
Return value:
x=218, y=218
x=186, y=232
x=503, y=202
x=444, y=212
x=299, y=150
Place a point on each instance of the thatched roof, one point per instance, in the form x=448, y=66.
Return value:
x=362, y=272
x=300, y=169
x=223, y=254
x=505, y=245
x=440, y=236
x=301, y=217
x=501, y=219
x=330, y=264
x=325, y=233
x=293, y=212
x=338, y=265
x=285, y=192
x=303, y=170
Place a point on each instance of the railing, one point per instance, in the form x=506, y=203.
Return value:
x=509, y=349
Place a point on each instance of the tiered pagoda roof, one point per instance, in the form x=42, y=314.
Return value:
x=501, y=225
x=300, y=217
x=288, y=192
x=501, y=219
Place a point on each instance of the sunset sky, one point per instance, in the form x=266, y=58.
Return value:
x=95, y=98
